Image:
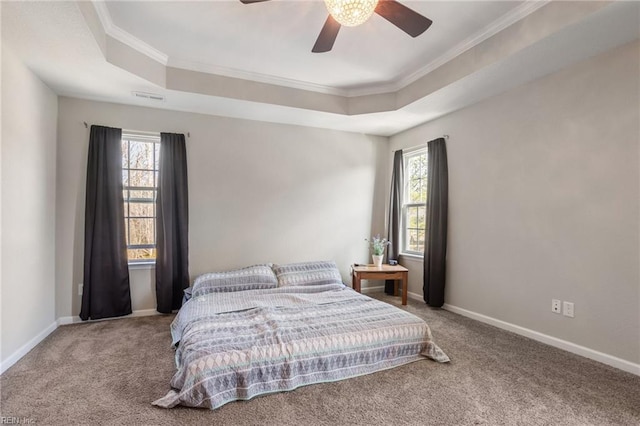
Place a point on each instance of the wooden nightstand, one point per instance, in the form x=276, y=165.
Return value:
x=384, y=272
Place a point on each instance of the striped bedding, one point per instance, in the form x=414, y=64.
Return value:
x=235, y=346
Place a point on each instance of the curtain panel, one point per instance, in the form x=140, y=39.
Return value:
x=172, y=226
x=395, y=213
x=106, y=271
x=435, y=247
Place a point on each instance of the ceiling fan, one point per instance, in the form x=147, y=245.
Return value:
x=355, y=12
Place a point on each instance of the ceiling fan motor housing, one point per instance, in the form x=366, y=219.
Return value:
x=351, y=13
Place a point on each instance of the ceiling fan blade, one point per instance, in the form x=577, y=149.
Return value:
x=251, y=1
x=327, y=36
x=401, y=16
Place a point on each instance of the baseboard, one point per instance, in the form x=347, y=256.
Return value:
x=138, y=313
x=69, y=320
x=415, y=296
x=24, y=349
x=610, y=360
x=410, y=295
x=145, y=313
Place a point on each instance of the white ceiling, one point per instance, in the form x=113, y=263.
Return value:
x=274, y=39
x=271, y=42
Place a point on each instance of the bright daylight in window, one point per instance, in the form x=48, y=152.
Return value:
x=414, y=201
x=140, y=163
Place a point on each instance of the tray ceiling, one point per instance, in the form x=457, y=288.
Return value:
x=255, y=62
x=271, y=41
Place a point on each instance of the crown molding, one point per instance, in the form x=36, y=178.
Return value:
x=121, y=35
x=513, y=16
x=506, y=20
x=377, y=89
x=254, y=76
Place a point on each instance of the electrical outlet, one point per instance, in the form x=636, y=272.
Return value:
x=567, y=309
x=80, y=289
x=555, y=306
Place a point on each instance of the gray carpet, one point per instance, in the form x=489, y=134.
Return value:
x=109, y=372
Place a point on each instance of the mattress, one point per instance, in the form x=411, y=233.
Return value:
x=238, y=345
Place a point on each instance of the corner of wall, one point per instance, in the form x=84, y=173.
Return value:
x=27, y=166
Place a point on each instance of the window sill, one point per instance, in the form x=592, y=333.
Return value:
x=142, y=265
x=412, y=256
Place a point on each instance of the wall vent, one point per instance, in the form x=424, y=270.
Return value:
x=150, y=96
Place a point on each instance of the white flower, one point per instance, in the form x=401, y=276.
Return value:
x=378, y=245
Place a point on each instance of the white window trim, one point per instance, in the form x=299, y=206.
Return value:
x=406, y=154
x=148, y=137
x=139, y=136
x=142, y=264
x=412, y=256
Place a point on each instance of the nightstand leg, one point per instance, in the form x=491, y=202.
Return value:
x=405, y=283
x=355, y=282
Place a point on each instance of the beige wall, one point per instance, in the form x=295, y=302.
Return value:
x=544, y=203
x=258, y=192
x=28, y=169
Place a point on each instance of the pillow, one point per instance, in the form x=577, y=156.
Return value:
x=250, y=278
x=186, y=294
x=307, y=273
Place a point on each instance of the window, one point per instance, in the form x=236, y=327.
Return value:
x=414, y=206
x=140, y=163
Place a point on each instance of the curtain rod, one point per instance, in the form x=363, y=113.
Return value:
x=419, y=146
x=86, y=126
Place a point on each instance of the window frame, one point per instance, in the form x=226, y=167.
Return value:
x=140, y=137
x=406, y=157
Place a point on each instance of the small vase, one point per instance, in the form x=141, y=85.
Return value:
x=377, y=260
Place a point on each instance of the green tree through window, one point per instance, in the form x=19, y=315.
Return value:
x=140, y=163
x=415, y=201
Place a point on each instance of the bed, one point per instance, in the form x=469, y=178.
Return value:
x=270, y=328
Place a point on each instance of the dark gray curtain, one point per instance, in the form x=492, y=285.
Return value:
x=106, y=271
x=172, y=258
x=395, y=212
x=435, y=247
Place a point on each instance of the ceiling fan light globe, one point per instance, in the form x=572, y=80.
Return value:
x=351, y=13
